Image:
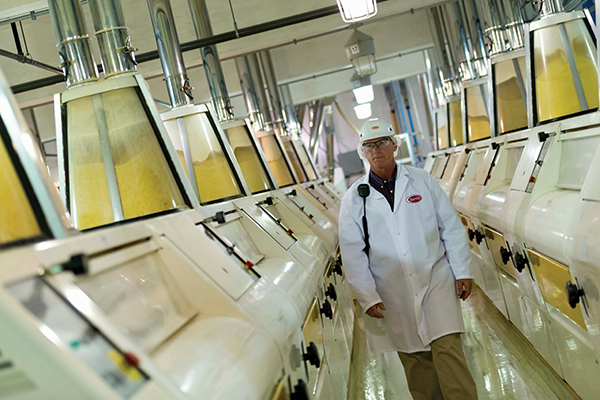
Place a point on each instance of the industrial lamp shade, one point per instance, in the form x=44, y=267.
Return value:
x=360, y=50
x=362, y=88
x=357, y=10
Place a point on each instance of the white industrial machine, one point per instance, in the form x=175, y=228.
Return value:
x=183, y=297
x=528, y=195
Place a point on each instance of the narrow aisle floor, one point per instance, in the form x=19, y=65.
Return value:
x=503, y=365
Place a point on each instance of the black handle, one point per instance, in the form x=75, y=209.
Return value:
x=331, y=292
x=505, y=254
x=521, y=262
x=312, y=355
x=300, y=392
x=573, y=294
x=479, y=237
x=471, y=234
x=326, y=310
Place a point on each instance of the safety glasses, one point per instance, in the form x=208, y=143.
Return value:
x=369, y=146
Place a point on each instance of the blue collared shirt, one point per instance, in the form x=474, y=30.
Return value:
x=385, y=187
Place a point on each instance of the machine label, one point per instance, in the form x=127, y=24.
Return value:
x=415, y=198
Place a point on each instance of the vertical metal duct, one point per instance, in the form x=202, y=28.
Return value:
x=273, y=92
x=210, y=60
x=252, y=86
x=550, y=7
x=329, y=130
x=494, y=26
x=459, y=34
x=291, y=118
x=444, y=51
x=113, y=37
x=73, y=41
x=513, y=23
x=169, y=51
x=474, y=24
x=316, y=118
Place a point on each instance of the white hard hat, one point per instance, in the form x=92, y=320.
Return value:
x=375, y=128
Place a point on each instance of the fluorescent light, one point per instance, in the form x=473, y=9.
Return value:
x=364, y=94
x=363, y=111
x=357, y=10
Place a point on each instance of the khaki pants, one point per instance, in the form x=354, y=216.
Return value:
x=439, y=374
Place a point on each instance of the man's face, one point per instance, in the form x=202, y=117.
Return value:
x=379, y=152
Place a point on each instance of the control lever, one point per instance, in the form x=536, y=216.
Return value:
x=300, y=392
x=326, y=310
x=505, y=254
x=312, y=355
x=331, y=293
x=574, y=293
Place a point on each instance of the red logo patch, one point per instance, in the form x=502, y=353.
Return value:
x=415, y=198
x=375, y=127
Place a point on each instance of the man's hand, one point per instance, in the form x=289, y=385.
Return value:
x=464, y=287
x=374, y=313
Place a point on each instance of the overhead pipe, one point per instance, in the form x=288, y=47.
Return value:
x=329, y=145
x=171, y=58
x=114, y=42
x=253, y=91
x=26, y=60
x=211, y=62
x=73, y=42
x=494, y=26
x=272, y=92
x=445, y=53
x=316, y=121
x=456, y=30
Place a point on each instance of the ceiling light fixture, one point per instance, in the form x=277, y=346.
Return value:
x=357, y=10
x=363, y=90
x=363, y=111
x=360, y=49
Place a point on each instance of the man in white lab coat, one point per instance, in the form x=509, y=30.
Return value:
x=410, y=273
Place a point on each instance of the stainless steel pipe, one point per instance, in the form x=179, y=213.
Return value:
x=273, y=92
x=253, y=90
x=211, y=62
x=113, y=37
x=550, y=7
x=73, y=41
x=291, y=118
x=171, y=58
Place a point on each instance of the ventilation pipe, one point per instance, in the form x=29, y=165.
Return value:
x=473, y=22
x=73, y=42
x=171, y=58
x=460, y=37
x=113, y=37
x=211, y=62
x=273, y=93
x=252, y=86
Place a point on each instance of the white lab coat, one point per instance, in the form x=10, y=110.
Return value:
x=416, y=254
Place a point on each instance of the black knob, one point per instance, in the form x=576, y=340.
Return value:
x=331, y=292
x=78, y=264
x=542, y=136
x=573, y=294
x=471, y=234
x=337, y=268
x=219, y=217
x=495, y=146
x=520, y=262
x=300, y=392
x=326, y=310
x=269, y=201
x=312, y=355
x=505, y=254
x=479, y=237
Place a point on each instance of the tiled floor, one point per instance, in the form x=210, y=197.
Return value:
x=503, y=365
